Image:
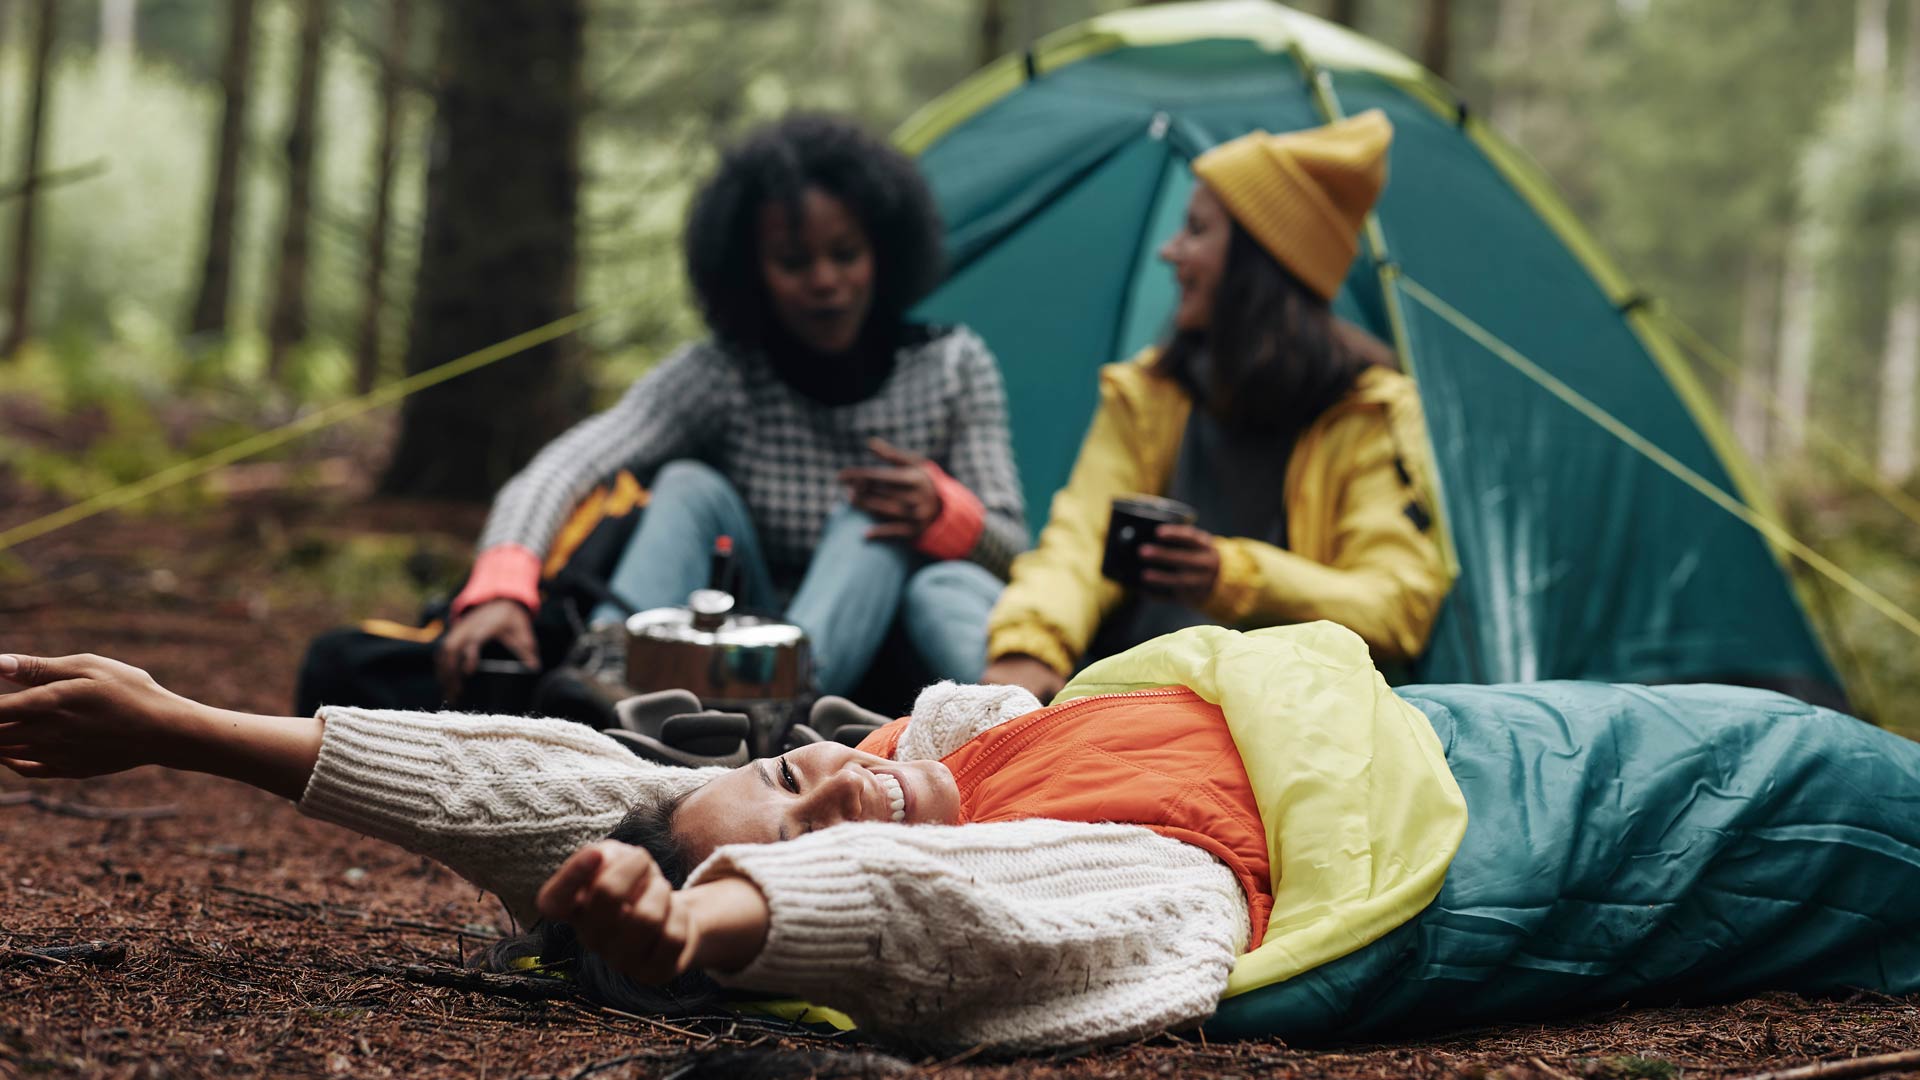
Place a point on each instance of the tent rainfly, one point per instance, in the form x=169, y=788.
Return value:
x=1060, y=171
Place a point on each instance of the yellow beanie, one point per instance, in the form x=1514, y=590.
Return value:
x=1304, y=195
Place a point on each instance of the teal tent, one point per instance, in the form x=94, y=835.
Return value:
x=1060, y=171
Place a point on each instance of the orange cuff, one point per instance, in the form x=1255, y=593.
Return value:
x=505, y=572
x=957, y=529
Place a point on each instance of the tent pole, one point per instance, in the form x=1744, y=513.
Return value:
x=1388, y=272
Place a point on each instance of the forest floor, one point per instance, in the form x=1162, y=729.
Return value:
x=246, y=940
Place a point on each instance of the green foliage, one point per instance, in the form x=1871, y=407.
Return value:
x=122, y=242
x=1693, y=146
x=1859, y=183
x=1881, y=547
x=1693, y=136
x=381, y=575
x=123, y=249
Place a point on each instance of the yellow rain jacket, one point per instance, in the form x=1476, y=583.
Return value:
x=1358, y=478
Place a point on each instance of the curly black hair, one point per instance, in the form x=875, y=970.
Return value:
x=780, y=161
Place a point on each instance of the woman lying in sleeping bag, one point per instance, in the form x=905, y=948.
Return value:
x=1250, y=830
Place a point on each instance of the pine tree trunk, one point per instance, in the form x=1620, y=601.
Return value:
x=6, y=28
x=993, y=31
x=1870, y=44
x=1900, y=370
x=1345, y=12
x=223, y=209
x=1798, y=302
x=287, y=321
x=1759, y=302
x=1436, y=37
x=20, y=292
x=1512, y=38
x=118, y=20
x=498, y=251
x=373, y=303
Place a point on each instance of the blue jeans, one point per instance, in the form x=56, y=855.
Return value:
x=846, y=602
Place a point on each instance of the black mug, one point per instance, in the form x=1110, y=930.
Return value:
x=1134, y=519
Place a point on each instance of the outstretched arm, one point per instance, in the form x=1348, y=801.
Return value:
x=77, y=716
x=502, y=801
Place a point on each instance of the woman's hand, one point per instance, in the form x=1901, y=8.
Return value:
x=621, y=906
x=1018, y=669
x=505, y=621
x=899, y=495
x=1181, y=565
x=78, y=716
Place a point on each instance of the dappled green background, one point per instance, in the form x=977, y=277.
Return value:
x=1716, y=147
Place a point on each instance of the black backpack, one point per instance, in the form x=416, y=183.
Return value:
x=382, y=664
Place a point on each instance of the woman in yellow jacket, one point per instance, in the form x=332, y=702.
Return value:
x=1301, y=448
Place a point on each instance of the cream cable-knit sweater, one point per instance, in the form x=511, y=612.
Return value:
x=1022, y=935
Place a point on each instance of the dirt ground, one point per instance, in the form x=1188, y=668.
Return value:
x=245, y=940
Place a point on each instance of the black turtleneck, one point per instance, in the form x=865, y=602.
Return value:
x=839, y=378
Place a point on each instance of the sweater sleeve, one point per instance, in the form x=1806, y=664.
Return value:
x=502, y=801
x=1026, y=935
x=1386, y=579
x=981, y=455
x=667, y=414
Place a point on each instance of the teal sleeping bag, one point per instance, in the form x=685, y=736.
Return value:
x=1636, y=844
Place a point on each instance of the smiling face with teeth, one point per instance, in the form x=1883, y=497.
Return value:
x=811, y=788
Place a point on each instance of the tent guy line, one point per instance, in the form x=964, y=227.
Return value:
x=133, y=492
x=186, y=471
x=1849, y=460
x=1767, y=527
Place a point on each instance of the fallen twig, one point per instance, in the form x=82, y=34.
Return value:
x=294, y=908
x=518, y=987
x=948, y=1063
x=649, y=1021
x=54, y=178
x=1841, y=1070
x=97, y=953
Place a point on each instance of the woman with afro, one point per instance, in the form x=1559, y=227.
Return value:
x=859, y=462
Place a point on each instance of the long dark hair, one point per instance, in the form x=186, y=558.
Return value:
x=559, y=952
x=1272, y=359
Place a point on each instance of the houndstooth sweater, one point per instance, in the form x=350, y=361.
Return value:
x=1023, y=935
x=782, y=450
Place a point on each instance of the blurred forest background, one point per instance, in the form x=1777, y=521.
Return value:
x=218, y=215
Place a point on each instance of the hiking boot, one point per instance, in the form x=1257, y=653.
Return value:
x=601, y=653
x=591, y=682
x=835, y=718
x=651, y=749
x=671, y=728
x=646, y=714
